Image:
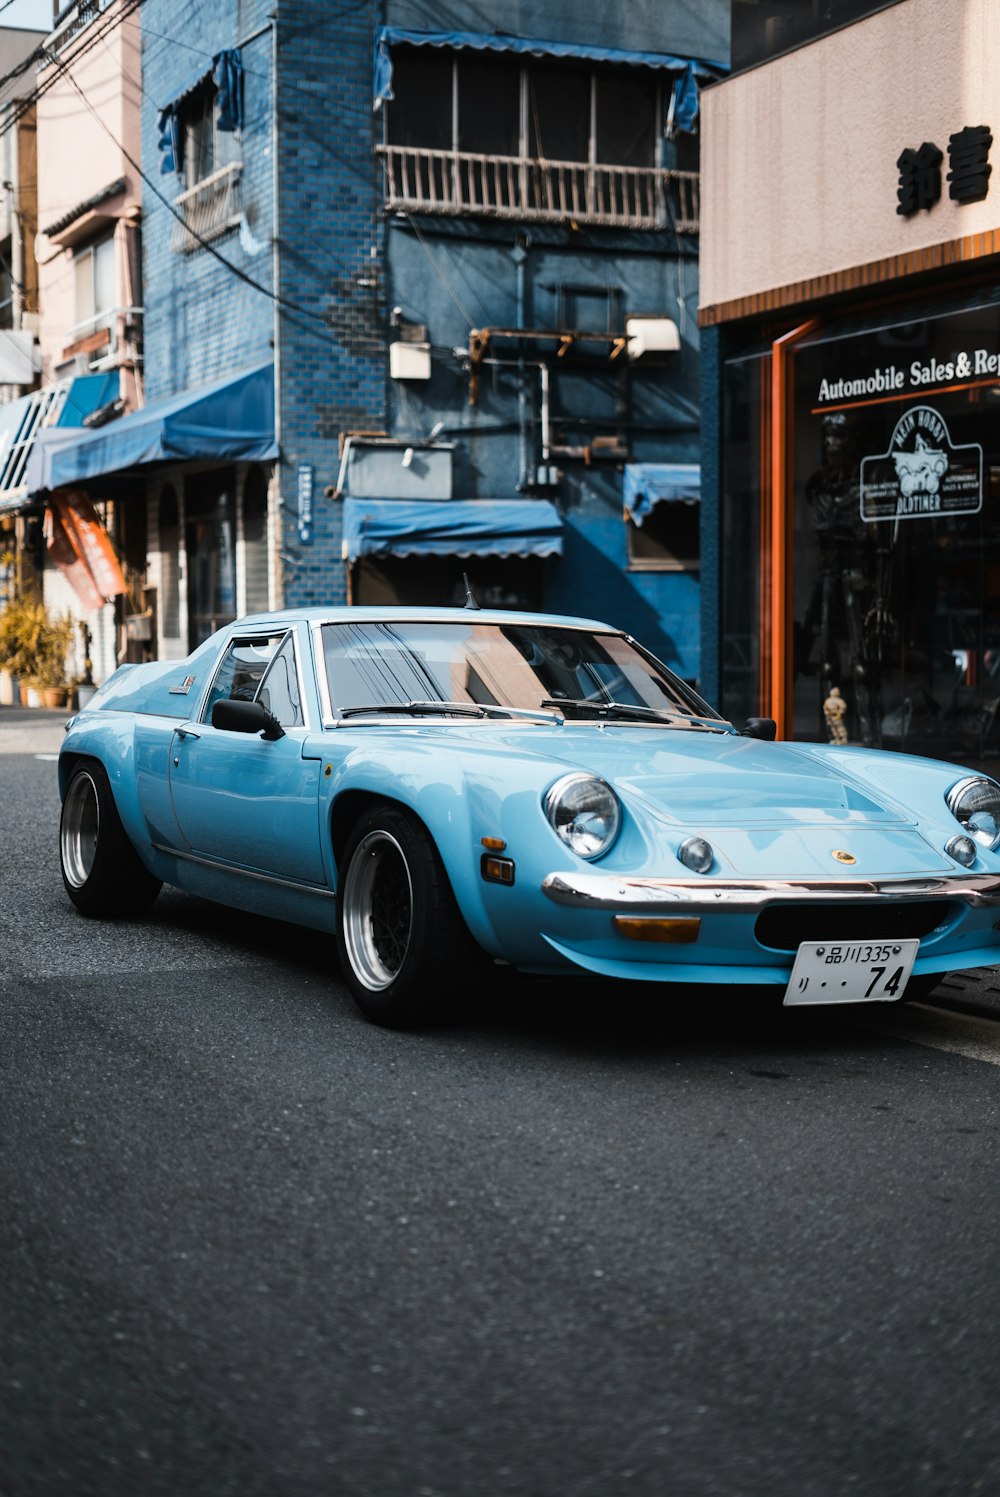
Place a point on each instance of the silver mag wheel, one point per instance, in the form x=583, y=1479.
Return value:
x=378, y=910
x=102, y=872
x=400, y=936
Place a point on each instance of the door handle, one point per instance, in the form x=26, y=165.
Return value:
x=187, y=733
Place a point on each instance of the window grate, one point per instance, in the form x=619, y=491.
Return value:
x=208, y=209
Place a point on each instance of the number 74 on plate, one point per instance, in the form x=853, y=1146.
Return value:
x=857, y=972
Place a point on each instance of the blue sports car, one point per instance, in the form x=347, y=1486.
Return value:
x=444, y=787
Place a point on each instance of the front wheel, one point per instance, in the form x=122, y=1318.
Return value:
x=401, y=940
x=102, y=872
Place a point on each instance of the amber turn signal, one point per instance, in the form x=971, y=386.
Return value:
x=653, y=928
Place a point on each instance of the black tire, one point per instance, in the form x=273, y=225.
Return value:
x=402, y=942
x=101, y=870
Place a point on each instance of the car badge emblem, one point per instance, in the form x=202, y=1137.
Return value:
x=843, y=857
x=184, y=687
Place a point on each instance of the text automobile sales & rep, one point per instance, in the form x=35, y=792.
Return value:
x=934, y=372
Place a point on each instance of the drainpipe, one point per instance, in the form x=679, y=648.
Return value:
x=519, y=254
x=776, y=633
x=277, y=576
x=17, y=254
x=543, y=370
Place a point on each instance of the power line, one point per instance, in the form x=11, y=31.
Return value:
x=40, y=55
x=92, y=38
x=241, y=275
x=201, y=52
x=174, y=42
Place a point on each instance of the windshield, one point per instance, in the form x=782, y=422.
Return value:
x=413, y=666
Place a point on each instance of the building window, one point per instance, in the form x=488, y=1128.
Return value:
x=6, y=285
x=668, y=540
x=169, y=542
x=211, y=166
x=206, y=148
x=95, y=286
x=544, y=140
x=255, y=541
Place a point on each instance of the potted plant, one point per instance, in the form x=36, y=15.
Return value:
x=49, y=675
x=23, y=624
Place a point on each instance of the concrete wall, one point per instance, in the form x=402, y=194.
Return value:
x=80, y=151
x=696, y=28
x=332, y=328
x=208, y=312
x=455, y=275
x=321, y=305
x=799, y=155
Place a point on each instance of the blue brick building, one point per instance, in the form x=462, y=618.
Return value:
x=420, y=304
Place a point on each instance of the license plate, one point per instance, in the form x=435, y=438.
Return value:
x=855, y=972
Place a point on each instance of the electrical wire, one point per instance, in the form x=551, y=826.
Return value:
x=241, y=275
x=43, y=56
x=97, y=30
x=334, y=259
x=438, y=271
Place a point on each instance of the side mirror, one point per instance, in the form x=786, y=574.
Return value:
x=760, y=727
x=246, y=717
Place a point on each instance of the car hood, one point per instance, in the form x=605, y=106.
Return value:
x=712, y=779
x=723, y=779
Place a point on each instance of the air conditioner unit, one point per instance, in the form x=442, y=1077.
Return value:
x=399, y=470
x=410, y=360
x=645, y=335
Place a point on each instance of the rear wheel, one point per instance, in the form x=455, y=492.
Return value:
x=401, y=940
x=102, y=872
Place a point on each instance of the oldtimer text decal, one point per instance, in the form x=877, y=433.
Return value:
x=924, y=474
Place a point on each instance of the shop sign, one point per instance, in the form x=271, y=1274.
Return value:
x=968, y=177
x=891, y=379
x=305, y=503
x=924, y=475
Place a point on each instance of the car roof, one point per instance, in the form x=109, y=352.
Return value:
x=399, y=613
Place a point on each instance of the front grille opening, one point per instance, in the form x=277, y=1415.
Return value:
x=782, y=927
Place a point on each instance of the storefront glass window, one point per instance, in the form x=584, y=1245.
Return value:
x=746, y=385
x=896, y=537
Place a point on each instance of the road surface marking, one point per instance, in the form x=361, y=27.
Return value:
x=938, y=1028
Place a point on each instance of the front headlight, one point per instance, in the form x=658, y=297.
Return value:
x=585, y=813
x=975, y=802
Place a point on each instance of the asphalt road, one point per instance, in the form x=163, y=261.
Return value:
x=582, y=1245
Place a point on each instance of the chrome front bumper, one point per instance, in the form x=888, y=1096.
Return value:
x=603, y=891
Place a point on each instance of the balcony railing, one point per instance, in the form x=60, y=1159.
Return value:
x=208, y=208
x=107, y=340
x=465, y=182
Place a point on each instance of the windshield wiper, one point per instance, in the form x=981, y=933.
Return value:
x=450, y=709
x=628, y=711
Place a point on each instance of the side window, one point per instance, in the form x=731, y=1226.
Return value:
x=241, y=671
x=279, y=690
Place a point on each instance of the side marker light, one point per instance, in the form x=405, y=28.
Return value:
x=497, y=870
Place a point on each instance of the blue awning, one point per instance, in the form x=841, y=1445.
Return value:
x=649, y=484
x=451, y=527
x=65, y=403
x=231, y=420
x=687, y=69
x=87, y=394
